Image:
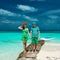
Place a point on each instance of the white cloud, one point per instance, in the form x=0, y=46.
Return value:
x=10, y=22
x=30, y=18
x=5, y=21
x=26, y=8
x=51, y=21
x=53, y=16
x=51, y=12
x=8, y=13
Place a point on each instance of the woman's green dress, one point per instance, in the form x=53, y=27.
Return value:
x=25, y=35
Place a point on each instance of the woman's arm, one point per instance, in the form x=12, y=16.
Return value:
x=20, y=27
x=29, y=33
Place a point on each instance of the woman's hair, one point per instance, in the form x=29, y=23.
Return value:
x=23, y=25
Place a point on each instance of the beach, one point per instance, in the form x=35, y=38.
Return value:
x=49, y=51
x=11, y=45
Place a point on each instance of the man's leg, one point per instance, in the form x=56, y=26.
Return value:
x=33, y=47
x=33, y=44
x=36, y=43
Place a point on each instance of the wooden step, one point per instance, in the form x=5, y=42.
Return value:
x=30, y=55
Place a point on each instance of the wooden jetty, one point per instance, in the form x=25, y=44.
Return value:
x=29, y=55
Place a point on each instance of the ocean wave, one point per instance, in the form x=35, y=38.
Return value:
x=47, y=39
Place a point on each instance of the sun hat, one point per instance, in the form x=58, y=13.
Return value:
x=33, y=23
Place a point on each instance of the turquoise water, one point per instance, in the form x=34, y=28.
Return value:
x=55, y=37
x=11, y=44
x=15, y=37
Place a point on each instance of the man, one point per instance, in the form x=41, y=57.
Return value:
x=35, y=33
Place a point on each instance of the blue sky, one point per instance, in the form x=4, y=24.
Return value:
x=45, y=12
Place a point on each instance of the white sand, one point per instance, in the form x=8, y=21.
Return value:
x=49, y=52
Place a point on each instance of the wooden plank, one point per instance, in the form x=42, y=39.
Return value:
x=29, y=48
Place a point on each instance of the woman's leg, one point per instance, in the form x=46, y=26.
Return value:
x=24, y=43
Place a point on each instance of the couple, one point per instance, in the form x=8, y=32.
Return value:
x=34, y=34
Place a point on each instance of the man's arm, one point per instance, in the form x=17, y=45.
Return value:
x=38, y=33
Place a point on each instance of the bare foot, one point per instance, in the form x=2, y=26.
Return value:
x=24, y=51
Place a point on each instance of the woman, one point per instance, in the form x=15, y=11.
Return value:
x=24, y=34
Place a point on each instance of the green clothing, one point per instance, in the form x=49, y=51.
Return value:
x=34, y=40
x=24, y=35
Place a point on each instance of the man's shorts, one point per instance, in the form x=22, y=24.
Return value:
x=34, y=40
